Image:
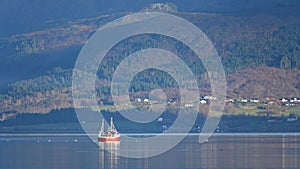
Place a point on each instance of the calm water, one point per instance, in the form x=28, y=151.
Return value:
x=221, y=151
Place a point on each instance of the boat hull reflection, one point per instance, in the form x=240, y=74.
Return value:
x=108, y=154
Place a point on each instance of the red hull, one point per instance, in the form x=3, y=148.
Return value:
x=109, y=139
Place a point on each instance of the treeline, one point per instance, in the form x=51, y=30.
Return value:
x=279, y=49
x=56, y=79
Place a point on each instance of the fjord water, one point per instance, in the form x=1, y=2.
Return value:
x=220, y=151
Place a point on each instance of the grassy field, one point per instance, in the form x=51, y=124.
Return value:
x=238, y=117
x=262, y=109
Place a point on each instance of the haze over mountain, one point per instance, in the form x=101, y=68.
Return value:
x=20, y=16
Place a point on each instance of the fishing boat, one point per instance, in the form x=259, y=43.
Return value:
x=110, y=135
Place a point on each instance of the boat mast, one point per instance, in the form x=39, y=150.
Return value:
x=111, y=124
x=102, y=126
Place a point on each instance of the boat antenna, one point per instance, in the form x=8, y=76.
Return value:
x=111, y=123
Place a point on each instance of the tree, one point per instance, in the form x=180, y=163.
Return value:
x=285, y=63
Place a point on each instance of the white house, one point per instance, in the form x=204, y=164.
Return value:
x=188, y=105
x=244, y=100
x=202, y=101
x=254, y=101
x=209, y=98
x=295, y=100
x=228, y=100
x=284, y=100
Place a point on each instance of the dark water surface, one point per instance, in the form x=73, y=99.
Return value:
x=220, y=151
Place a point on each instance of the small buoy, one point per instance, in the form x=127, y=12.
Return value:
x=75, y=140
x=49, y=140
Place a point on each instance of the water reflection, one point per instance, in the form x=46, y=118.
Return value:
x=108, y=155
x=221, y=151
x=251, y=152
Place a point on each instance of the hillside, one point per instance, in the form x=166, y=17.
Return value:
x=260, y=52
x=53, y=91
x=241, y=41
x=262, y=82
